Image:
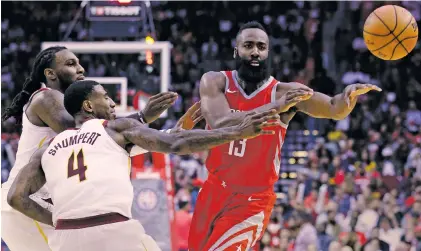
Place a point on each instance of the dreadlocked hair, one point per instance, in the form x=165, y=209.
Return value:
x=42, y=61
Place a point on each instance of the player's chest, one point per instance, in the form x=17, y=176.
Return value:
x=239, y=101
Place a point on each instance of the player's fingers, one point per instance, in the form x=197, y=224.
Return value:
x=166, y=96
x=373, y=87
x=294, y=101
x=303, y=87
x=271, y=117
x=198, y=119
x=263, y=114
x=196, y=112
x=296, y=93
x=194, y=107
x=269, y=124
x=158, y=95
x=267, y=132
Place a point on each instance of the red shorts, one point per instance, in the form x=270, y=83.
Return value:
x=228, y=220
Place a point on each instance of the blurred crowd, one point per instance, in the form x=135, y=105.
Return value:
x=358, y=184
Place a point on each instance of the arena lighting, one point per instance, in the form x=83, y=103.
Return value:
x=149, y=57
x=149, y=40
x=124, y=1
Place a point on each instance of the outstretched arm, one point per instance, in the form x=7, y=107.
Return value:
x=215, y=107
x=49, y=106
x=337, y=107
x=29, y=180
x=156, y=105
x=185, y=142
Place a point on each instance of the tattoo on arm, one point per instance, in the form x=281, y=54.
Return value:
x=29, y=180
x=50, y=109
x=181, y=142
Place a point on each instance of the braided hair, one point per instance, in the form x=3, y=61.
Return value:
x=42, y=61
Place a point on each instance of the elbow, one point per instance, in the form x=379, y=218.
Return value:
x=12, y=199
x=180, y=147
x=338, y=117
x=218, y=123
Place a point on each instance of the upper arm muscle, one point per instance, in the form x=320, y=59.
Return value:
x=30, y=178
x=214, y=104
x=49, y=106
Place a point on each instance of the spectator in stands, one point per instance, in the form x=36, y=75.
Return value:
x=183, y=218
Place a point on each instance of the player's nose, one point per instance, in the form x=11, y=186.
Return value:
x=80, y=70
x=255, y=53
x=112, y=103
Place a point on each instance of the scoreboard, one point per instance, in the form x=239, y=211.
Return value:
x=122, y=10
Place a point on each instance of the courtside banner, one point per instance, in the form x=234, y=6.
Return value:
x=150, y=207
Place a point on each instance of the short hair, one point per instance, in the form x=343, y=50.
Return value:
x=78, y=92
x=43, y=60
x=251, y=25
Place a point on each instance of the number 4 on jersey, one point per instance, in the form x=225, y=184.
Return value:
x=80, y=169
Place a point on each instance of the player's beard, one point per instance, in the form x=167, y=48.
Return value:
x=65, y=82
x=252, y=74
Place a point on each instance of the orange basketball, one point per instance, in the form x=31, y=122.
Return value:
x=390, y=32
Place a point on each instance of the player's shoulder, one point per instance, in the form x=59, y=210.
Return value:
x=212, y=78
x=47, y=97
x=122, y=124
x=93, y=123
x=286, y=86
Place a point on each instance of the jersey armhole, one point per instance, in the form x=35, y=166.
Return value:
x=227, y=82
x=51, y=140
x=33, y=95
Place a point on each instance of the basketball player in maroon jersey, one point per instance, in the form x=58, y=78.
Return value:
x=235, y=203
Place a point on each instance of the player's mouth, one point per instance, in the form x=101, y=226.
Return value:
x=254, y=63
x=81, y=77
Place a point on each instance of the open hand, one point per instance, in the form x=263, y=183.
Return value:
x=294, y=96
x=157, y=104
x=190, y=118
x=254, y=124
x=355, y=90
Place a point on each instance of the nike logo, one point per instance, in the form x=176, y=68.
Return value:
x=229, y=91
x=251, y=199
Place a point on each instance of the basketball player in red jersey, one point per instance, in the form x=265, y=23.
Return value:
x=39, y=106
x=235, y=203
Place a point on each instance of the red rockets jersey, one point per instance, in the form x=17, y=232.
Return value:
x=248, y=162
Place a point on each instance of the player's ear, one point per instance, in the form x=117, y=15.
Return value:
x=50, y=74
x=87, y=106
x=235, y=52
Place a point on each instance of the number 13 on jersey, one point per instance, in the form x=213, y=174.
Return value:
x=237, y=148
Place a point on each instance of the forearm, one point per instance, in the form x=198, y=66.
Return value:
x=235, y=118
x=340, y=108
x=138, y=116
x=199, y=140
x=179, y=142
x=30, y=208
